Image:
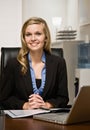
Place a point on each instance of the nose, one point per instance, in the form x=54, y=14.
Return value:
x=33, y=37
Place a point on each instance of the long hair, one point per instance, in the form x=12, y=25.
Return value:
x=24, y=49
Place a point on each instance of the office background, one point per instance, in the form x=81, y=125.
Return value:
x=14, y=12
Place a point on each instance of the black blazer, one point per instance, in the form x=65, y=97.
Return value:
x=15, y=88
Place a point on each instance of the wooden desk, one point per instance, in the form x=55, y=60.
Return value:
x=31, y=124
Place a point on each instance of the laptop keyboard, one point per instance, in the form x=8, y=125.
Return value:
x=53, y=117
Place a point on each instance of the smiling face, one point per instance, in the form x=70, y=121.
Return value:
x=35, y=37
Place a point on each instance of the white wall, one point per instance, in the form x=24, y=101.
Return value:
x=46, y=9
x=10, y=22
x=73, y=15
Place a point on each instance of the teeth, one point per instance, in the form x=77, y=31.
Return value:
x=34, y=44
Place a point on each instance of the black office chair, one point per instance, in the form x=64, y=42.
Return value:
x=57, y=51
x=9, y=52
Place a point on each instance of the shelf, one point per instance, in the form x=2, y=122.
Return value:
x=84, y=24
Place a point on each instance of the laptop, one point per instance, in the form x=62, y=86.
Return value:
x=79, y=112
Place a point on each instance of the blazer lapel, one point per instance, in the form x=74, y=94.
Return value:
x=49, y=73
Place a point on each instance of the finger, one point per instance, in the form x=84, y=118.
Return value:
x=36, y=100
x=36, y=96
x=34, y=105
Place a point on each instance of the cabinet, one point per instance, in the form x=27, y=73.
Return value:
x=84, y=76
x=70, y=55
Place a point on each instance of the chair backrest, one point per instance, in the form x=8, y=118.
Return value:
x=10, y=52
x=7, y=53
x=57, y=51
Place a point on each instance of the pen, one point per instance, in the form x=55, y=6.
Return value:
x=45, y=108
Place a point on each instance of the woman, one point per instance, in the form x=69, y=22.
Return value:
x=36, y=78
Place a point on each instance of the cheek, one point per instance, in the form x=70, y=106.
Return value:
x=42, y=42
x=43, y=39
x=27, y=39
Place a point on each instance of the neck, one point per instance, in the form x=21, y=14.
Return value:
x=36, y=56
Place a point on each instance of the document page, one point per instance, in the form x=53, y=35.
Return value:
x=24, y=113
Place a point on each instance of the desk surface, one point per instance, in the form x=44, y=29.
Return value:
x=32, y=124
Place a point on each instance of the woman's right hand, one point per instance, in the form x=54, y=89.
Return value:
x=26, y=106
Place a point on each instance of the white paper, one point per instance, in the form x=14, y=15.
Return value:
x=24, y=113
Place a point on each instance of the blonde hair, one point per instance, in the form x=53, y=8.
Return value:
x=24, y=50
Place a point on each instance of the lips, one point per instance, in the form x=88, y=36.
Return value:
x=34, y=44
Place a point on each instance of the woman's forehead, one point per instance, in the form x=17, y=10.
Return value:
x=35, y=27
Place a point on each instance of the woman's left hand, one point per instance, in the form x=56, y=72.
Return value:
x=36, y=101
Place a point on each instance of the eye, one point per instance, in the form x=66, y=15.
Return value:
x=27, y=34
x=38, y=33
